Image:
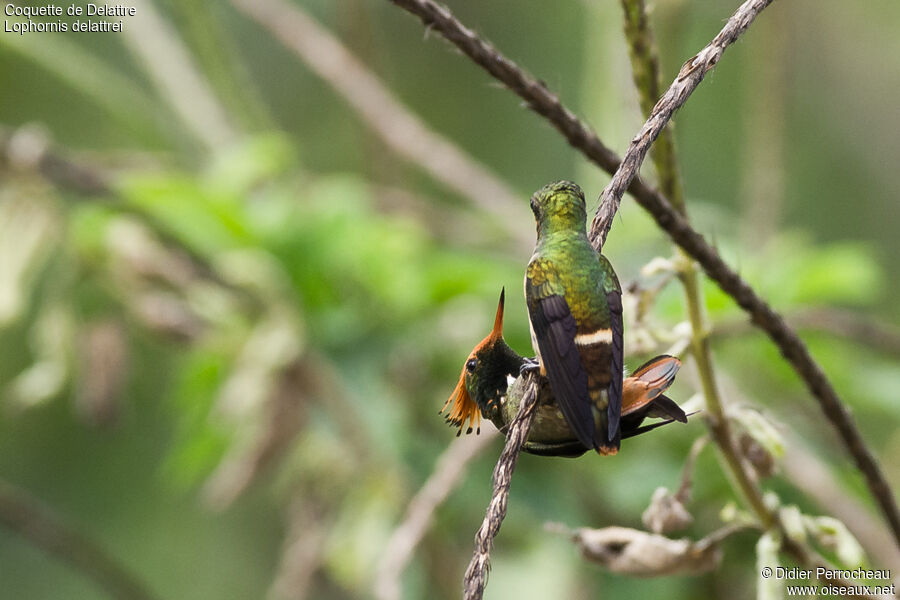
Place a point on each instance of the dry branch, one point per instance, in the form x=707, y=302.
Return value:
x=448, y=471
x=26, y=516
x=541, y=100
x=642, y=554
x=476, y=574
x=645, y=68
x=171, y=68
x=381, y=111
x=807, y=472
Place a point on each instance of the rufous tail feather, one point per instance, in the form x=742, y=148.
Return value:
x=648, y=382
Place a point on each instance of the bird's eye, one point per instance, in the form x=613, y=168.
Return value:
x=534, y=205
x=471, y=364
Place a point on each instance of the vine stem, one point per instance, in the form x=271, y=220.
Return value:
x=645, y=71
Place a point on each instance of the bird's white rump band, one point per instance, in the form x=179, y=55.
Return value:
x=601, y=335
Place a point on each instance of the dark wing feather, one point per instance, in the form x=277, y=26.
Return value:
x=639, y=430
x=555, y=330
x=633, y=431
x=614, y=408
x=663, y=406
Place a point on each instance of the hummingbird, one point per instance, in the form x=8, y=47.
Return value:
x=483, y=380
x=574, y=305
x=489, y=386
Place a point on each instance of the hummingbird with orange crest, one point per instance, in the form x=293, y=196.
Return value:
x=489, y=387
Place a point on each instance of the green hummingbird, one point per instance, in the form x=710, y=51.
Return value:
x=489, y=386
x=575, y=307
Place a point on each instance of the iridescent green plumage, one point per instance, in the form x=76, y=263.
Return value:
x=574, y=304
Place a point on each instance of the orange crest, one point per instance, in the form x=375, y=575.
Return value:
x=464, y=410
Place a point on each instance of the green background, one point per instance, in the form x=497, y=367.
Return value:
x=384, y=279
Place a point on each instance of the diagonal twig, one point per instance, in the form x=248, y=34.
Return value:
x=541, y=100
x=380, y=110
x=476, y=574
x=448, y=471
x=25, y=515
x=171, y=68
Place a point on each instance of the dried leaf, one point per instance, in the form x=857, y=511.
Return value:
x=641, y=554
x=666, y=513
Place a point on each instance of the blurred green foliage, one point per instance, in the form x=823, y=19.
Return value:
x=184, y=418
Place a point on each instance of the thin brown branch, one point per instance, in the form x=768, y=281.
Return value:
x=26, y=516
x=284, y=417
x=683, y=494
x=645, y=68
x=476, y=574
x=541, y=100
x=448, y=472
x=171, y=68
x=803, y=469
x=856, y=327
x=690, y=76
x=380, y=110
x=304, y=550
